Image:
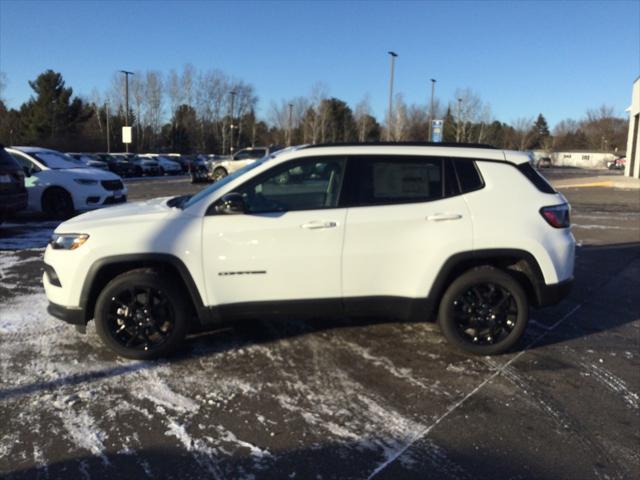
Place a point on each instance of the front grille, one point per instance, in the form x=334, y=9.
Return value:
x=112, y=184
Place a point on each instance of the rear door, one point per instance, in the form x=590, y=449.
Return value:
x=405, y=219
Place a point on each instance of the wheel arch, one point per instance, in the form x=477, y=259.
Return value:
x=520, y=264
x=104, y=270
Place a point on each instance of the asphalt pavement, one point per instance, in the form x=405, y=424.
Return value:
x=339, y=399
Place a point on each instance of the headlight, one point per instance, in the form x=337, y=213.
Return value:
x=68, y=241
x=85, y=181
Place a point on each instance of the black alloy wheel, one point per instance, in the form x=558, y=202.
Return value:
x=57, y=204
x=141, y=314
x=484, y=311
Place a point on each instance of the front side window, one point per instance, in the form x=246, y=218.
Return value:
x=308, y=184
x=389, y=180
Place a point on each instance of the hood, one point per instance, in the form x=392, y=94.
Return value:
x=135, y=212
x=89, y=173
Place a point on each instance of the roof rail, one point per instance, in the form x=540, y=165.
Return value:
x=402, y=144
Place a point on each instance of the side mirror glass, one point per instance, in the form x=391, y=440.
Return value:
x=231, y=204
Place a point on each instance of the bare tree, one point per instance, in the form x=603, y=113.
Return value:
x=137, y=90
x=174, y=92
x=363, y=118
x=524, y=132
x=153, y=99
x=470, y=110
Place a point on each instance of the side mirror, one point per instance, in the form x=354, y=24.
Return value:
x=231, y=204
x=27, y=171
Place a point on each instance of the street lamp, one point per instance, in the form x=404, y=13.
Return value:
x=290, y=123
x=126, y=101
x=433, y=88
x=392, y=56
x=458, y=122
x=233, y=94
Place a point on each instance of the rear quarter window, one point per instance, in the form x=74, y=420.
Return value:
x=469, y=177
x=534, y=177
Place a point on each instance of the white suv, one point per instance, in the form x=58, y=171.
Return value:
x=58, y=185
x=404, y=231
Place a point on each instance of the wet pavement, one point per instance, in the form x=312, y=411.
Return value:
x=328, y=399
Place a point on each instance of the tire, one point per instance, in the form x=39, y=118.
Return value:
x=218, y=174
x=484, y=311
x=135, y=328
x=57, y=204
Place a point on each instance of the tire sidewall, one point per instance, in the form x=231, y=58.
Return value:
x=49, y=196
x=143, y=278
x=476, y=276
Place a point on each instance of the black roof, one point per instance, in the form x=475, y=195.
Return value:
x=403, y=144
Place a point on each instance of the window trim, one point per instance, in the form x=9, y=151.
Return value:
x=475, y=166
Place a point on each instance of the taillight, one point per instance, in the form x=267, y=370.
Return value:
x=557, y=216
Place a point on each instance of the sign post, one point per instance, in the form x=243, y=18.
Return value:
x=126, y=135
x=437, y=127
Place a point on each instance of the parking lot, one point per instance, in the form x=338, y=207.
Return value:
x=334, y=399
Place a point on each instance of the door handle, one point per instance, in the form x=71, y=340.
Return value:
x=318, y=225
x=440, y=217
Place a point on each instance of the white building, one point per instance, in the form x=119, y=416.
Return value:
x=633, y=140
x=582, y=159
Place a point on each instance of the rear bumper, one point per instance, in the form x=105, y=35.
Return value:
x=553, y=294
x=74, y=316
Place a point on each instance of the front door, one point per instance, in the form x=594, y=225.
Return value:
x=286, y=249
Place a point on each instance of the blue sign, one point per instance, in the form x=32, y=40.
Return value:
x=437, y=127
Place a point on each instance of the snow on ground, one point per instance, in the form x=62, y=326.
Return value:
x=215, y=405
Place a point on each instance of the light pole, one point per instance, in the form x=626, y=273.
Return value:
x=106, y=106
x=290, y=123
x=233, y=98
x=393, y=56
x=126, y=102
x=458, y=122
x=433, y=89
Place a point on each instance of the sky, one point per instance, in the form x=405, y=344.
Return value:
x=558, y=58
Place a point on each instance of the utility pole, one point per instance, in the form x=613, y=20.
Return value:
x=393, y=56
x=233, y=98
x=106, y=105
x=126, y=102
x=458, y=122
x=433, y=88
x=290, y=124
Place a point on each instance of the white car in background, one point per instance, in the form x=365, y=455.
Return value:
x=168, y=166
x=59, y=187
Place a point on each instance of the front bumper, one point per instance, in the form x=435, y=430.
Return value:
x=74, y=316
x=552, y=294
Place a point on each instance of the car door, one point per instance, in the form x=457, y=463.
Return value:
x=35, y=180
x=405, y=220
x=285, y=250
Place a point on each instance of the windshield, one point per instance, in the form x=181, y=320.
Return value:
x=221, y=183
x=56, y=160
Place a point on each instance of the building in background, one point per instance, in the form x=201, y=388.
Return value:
x=632, y=169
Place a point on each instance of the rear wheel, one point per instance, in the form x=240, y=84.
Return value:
x=484, y=312
x=141, y=315
x=57, y=203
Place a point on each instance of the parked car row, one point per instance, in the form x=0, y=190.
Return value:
x=215, y=167
x=131, y=164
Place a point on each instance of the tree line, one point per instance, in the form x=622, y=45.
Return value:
x=210, y=112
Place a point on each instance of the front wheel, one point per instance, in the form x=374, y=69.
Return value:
x=141, y=315
x=484, y=312
x=218, y=174
x=57, y=204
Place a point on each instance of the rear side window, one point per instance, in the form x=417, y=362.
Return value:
x=469, y=178
x=387, y=180
x=534, y=177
